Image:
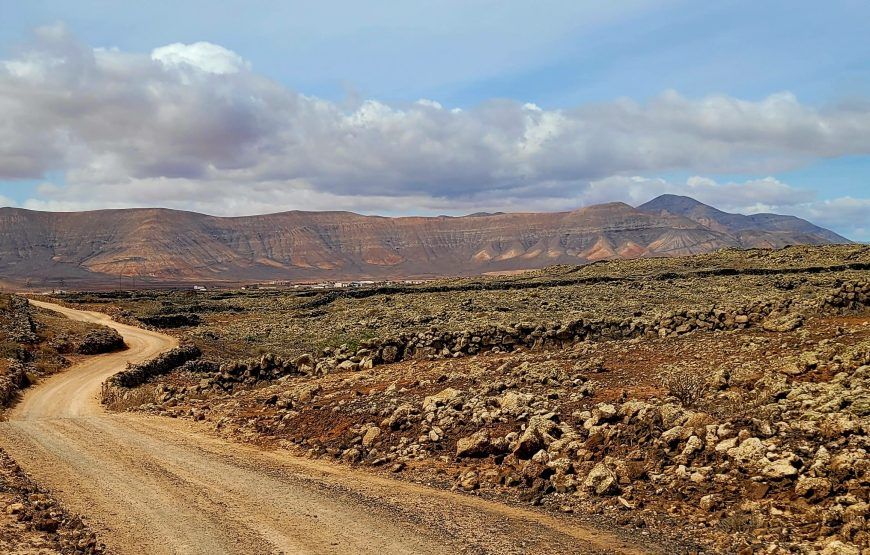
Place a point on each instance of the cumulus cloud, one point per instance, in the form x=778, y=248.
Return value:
x=757, y=195
x=203, y=56
x=193, y=126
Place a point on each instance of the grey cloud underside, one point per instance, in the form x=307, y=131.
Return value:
x=198, y=113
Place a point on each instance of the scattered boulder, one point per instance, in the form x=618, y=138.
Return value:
x=814, y=489
x=476, y=445
x=750, y=450
x=440, y=399
x=370, y=435
x=539, y=433
x=785, y=323
x=780, y=469
x=601, y=480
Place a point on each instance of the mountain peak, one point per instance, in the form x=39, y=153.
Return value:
x=675, y=204
x=88, y=249
x=789, y=228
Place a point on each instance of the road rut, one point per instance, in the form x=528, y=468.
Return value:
x=157, y=485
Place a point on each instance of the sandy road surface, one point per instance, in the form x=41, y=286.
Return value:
x=157, y=485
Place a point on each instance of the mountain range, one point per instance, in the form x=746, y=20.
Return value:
x=161, y=246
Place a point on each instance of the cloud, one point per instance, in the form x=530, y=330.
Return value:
x=193, y=126
x=756, y=195
x=203, y=56
x=852, y=215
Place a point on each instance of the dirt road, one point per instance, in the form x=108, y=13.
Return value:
x=158, y=485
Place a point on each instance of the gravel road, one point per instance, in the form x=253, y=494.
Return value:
x=156, y=485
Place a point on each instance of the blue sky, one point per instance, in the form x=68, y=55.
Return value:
x=577, y=62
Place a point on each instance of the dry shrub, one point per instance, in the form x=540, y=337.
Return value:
x=741, y=522
x=753, y=403
x=131, y=399
x=687, y=385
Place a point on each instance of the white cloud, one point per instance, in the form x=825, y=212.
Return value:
x=192, y=126
x=751, y=196
x=847, y=213
x=203, y=56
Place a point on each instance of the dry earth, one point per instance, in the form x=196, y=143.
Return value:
x=155, y=485
x=720, y=401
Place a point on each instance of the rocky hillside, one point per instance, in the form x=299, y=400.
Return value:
x=158, y=245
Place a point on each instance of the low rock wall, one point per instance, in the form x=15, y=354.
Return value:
x=434, y=343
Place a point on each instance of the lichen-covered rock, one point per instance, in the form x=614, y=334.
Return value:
x=783, y=323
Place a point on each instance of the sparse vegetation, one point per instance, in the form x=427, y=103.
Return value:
x=685, y=384
x=724, y=409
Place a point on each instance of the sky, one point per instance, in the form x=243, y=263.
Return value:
x=449, y=107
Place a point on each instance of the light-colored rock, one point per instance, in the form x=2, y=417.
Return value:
x=812, y=488
x=536, y=436
x=601, y=480
x=779, y=469
x=693, y=445
x=348, y=366
x=469, y=481
x=370, y=436
x=440, y=399
x=726, y=445
x=606, y=411
x=750, y=450
x=514, y=402
x=837, y=547
x=475, y=445
x=788, y=322
x=708, y=502
x=677, y=433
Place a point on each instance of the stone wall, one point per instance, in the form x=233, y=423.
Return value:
x=849, y=296
x=12, y=379
x=162, y=364
x=103, y=340
x=434, y=343
x=19, y=325
x=168, y=321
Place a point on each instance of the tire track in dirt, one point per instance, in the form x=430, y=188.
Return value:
x=162, y=486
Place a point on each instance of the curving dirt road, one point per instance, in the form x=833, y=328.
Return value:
x=157, y=485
